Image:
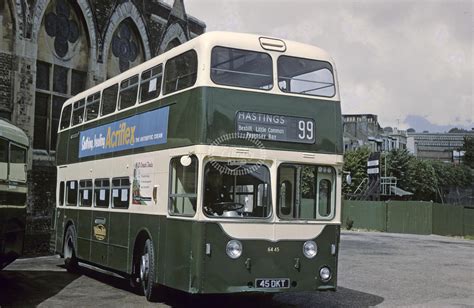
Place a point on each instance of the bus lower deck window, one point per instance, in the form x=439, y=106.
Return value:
x=85, y=192
x=120, y=192
x=61, y=193
x=102, y=193
x=183, y=188
x=71, y=193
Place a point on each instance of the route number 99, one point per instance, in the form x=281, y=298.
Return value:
x=305, y=130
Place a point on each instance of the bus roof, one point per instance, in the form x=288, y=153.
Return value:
x=253, y=42
x=13, y=133
x=209, y=40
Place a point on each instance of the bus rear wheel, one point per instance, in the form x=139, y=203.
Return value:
x=147, y=271
x=69, y=250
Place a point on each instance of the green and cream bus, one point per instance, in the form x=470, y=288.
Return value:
x=212, y=168
x=13, y=190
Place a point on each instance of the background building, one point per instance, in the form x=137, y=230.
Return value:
x=364, y=130
x=438, y=146
x=51, y=50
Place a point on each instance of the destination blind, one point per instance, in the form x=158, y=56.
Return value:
x=274, y=127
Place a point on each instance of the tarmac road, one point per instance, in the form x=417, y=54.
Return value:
x=375, y=269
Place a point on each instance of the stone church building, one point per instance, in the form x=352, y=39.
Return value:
x=51, y=50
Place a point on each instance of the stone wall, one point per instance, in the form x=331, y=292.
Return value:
x=6, y=70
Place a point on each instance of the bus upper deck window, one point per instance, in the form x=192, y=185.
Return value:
x=109, y=100
x=180, y=72
x=305, y=76
x=128, y=92
x=3, y=159
x=3, y=151
x=78, y=112
x=241, y=68
x=92, y=106
x=150, y=84
x=66, y=117
x=17, y=170
x=17, y=154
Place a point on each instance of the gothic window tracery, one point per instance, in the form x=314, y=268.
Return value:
x=126, y=49
x=61, y=67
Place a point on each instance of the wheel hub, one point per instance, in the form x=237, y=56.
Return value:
x=68, y=249
x=144, y=267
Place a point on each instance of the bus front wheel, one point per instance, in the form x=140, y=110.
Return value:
x=147, y=271
x=69, y=250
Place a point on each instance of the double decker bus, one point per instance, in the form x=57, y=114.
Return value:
x=212, y=168
x=13, y=190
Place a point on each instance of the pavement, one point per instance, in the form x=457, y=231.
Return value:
x=375, y=269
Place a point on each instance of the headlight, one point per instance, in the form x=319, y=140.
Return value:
x=310, y=249
x=325, y=274
x=233, y=249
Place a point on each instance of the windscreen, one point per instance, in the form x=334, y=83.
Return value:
x=236, y=190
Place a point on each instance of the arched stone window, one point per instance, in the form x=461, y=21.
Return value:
x=61, y=67
x=173, y=37
x=126, y=49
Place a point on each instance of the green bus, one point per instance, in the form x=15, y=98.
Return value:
x=13, y=190
x=212, y=168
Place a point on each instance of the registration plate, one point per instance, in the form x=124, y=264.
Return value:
x=281, y=283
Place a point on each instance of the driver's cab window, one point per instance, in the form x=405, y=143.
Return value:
x=183, y=185
x=236, y=190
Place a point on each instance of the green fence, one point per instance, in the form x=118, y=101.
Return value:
x=415, y=217
x=367, y=215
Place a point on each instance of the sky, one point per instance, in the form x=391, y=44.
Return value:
x=410, y=62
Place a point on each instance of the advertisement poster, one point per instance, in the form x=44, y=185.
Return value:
x=142, y=184
x=149, y=128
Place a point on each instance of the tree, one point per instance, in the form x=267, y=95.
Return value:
x=355, y=162
x=398, y=164
x=468, y=147
x=457, y=130
x=450, y=176
x=421, y=178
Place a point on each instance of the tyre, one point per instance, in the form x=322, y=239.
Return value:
x=69, y=249
x=147, y=271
